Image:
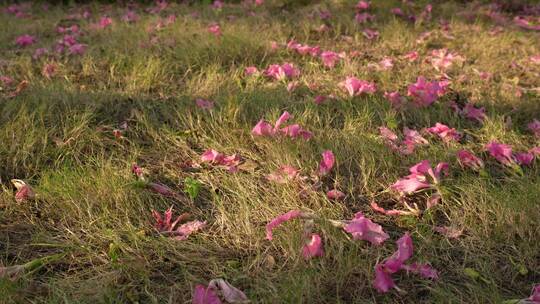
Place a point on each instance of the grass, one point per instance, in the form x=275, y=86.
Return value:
x=57, y=135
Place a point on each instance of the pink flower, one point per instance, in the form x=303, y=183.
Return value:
x=501, y=152
x=280, y=72
x=130, y=16
x=355, y=86
x=524, y=159
x=397, y=11
x=411, y=56
x=362, y=228
x=326, y=163
x=362, y=5
x=319, y=99
x=280, y=220
x=418, y=179
x=410, y=184
x=49, y=70
x=395, y=99
x=138, y=171
x=215, y=29
x=363, y=17
x=209, y=295
x=39, y=52
x=335, y=195
x=77, y=49
x=185, y=230
x=105, y=22
x=534, y=127
x=407, y=146
x=329, y=58
x=215, y=158
x=473, y=113
x=425, y=93
x=295, y=131
x=212, y=156
x=403, y=253
x=535, y=294
x=163, y=223
x=24, y=191
x=251, y=70
x=442, y=59
x=467, y=159
x=204, y=104
x=264, y=128
x=283, y=175
x=204, y=295
x=386, y=63
x=383, y=280
x=527, y=23
x=25, y=40
x=314, y=248
x=6, y=80
x=446, y=133
x=370, y=33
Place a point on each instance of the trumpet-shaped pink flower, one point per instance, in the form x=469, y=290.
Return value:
x=425, y=93
x=327, y=162
x=215, y=29
x=283, y=175
x=335, y=195
x=215, y=289
x=204, y=104
x=534, y=127
x=280, y=220
x=446, y=133
x=355, y=86
x=418, y=179
x=362, y=5
x=330, y=58
x=163, y=223
x=524, y=158
x=25, y=40
x=442, y=59
x=468, y=159
x=362, y=228
x=364, y=17
x=264, y=128
x=473, y=113
x=314, y=248
x=383, y=272
x=501, y=152
x=281, y=72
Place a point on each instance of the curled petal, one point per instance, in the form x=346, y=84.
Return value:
x=280, y=220
x=314, y=248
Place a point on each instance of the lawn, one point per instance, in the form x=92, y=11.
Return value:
x=393, y=147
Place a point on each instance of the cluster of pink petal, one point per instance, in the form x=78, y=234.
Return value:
x=304, y=49
x=470, y=111
x=211, y=294
x=281, y=72
x=407, y=146
x=355, y=86
x=284, y=174
x=215, y=29
x=362, y=228
x=330, y=58
x=327, y=162
x=313, y=248
x=442, y=59
x=264, y=128
x=469, y=160
x=501, y=152
x=25, y=40
x=446, y=133
x=216, y=158
x=425, y=93
x=182, y=232
x=418, y=179
x=383, y=271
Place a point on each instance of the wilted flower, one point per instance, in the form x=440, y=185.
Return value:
x=216, y=288
x=313, y=248
x=218, y=159
x=446, y=133
x=264, y=128
x=418, y=179
x=425, y=93
x=251, y=70
x=335, y=195
x=370, y=33
x=215, y=29
x=330, y=58
x=395, y=99
x=24, y=191
x=501, y=152
x=534, y=127
x=362, y=228
x=362, y=5
x=355, y=86
x=280, y=72
x=283, y=175
x=25, y=40
x=164, y=225
x=327, y=162
x=364, y=17
x=442, y=59
x=467, y=159
x=204, y=104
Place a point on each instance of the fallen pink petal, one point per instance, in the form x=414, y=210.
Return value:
x=280, y=220
x=313, y=248
x=362, y=228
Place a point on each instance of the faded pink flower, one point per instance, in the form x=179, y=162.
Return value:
x=25, y=40
x=185, y=230
x=49, y=70
x=395, y=99
x=280, y=220
x=296, y=131
x=319, y=99
x=335, y=195
x=327, y=162
x=471, y=112
x=501, y=152
x=362, y=5
x=280, y=72
x=24, y=191
x=386, y=63
x=446, y=133
x=314, y=248
x=383, y=280
x=264, y=128
x=215, y=158
x=212, y=156
x=105, y=22
x=283, y=175
x=364, y=17
x=425, y=93
x=39, y=52
x=442, y=59
x=355, y=86
x=411, y=56
x=424, y=270
x=204, y=295
x=77, y=49
x=370, y=33
x=418, y=179
x=163, y=223
x=215, y=29
x=204, y=104
x=534, y=127
x=468, y=159
x=403, y=253
x=362, y=228
x=251, y=70
x=329, y=58
x=449, y=232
